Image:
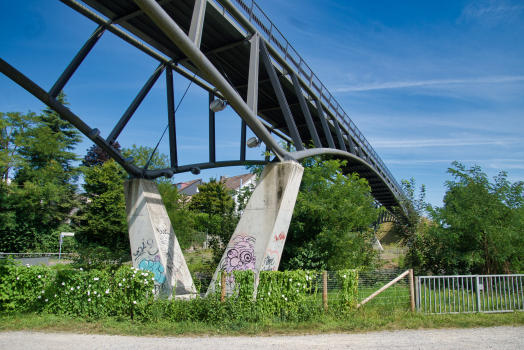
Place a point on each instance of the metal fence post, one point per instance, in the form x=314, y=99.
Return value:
x=411, y=291
x=223, y=287
x=417, y=293
x=477, y=292
x=324, y=290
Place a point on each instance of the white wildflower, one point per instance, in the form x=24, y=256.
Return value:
x=145, y=282
x=344, y=276
x=55, y=295
x=290, y=280
x=77, y=287
x=81, y=269
x=134, y=302
x=46, y=300
x=299, y=283
x=88, y=292
x=120, y=284
x=99, y=295
x=145, y=274
x=94, y=292
x=89, y=299
x=152, y=279
x=39, y=297
x=18, y=278
x=89, y=286
x=63, y=283
x=285, y=299
x=72, y=288
x=268, y=293
x=42, y=292
x=96, y=278
x=39, y=276
x=283, y=296
x=297, y=290
x=123, y=279
x=107, y=291
x=153, y=290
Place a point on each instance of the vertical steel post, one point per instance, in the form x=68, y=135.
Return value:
x=243, y=141
x=477, y=282
x=171, y=117
x=197, y=22
x=212, y=140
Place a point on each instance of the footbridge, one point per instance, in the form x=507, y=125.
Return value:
x=232, y=50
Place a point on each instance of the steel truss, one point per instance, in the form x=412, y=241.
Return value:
x=205, y=69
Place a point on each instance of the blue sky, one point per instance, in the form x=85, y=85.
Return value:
x=427, y=82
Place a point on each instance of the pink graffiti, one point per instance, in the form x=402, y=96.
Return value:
x=280, y=237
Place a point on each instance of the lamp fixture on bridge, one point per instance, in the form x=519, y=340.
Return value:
x=253, y=142
x=218, y=105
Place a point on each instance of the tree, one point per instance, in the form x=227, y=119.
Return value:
x=331, y=223
x=13, y=129
x=43, y=193
x=96, y=156
x=480, y=228
x=103, y=220
x=410, y=221
x=217, y=216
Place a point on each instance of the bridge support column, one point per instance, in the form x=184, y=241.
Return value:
x=259, y=237
x=154, y=246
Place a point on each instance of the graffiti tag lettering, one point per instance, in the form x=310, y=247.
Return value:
x=155, y=267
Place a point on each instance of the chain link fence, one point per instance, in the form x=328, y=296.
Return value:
x=396, y=297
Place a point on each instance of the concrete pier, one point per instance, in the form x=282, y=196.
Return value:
x=154, y=246
x=259, y=237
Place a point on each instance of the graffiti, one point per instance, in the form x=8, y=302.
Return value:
x=155, y=266
x=241, y=256
x=147, y=247
x=164, y=239
x=271, y=260
x=280, y=237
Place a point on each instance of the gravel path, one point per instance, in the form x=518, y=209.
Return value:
x=476, y=338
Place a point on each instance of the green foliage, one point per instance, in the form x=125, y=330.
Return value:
x=348, y=279
x=330, y=228
x=102, y=219
x=13, y=135
x=480, y=228
x=93, y=293
x=217, y=216
x=43, y=193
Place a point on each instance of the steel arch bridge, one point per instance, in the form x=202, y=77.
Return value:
x=233, y=51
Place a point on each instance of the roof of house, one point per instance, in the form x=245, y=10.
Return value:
x=234, y=182
x=187, y=184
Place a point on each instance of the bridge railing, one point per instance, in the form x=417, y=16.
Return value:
x=267, y=29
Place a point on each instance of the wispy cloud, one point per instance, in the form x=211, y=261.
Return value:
x=490, y=12
x=416, y=83
x=452, y=142
x=449, y=161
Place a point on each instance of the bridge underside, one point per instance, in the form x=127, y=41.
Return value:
x=289, y=100
x=224, y=42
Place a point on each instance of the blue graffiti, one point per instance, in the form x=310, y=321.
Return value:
x=155, y=267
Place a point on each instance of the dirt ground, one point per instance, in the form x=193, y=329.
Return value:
x=476, y=338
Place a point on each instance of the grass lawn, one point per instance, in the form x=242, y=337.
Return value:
x=357, y=322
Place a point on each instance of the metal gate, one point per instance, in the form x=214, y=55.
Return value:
x=471, y=293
